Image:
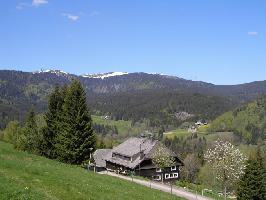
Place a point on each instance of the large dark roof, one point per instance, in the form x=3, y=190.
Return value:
x=132, y=147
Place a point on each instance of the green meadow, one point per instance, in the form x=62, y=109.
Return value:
x=125, y=128
x=25, y=176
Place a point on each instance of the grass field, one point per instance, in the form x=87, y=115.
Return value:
x=202, y=131
x=177, y=132
x=25, y=176
x=184, y=133
x=124, y=127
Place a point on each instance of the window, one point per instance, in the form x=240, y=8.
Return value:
x=173, y=168
x=170, y=176
x=157, y=178
x=158, y=170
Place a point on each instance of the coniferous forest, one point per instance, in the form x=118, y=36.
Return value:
x=67, y=134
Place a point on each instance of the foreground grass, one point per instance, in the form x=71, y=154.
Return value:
x=26, y=176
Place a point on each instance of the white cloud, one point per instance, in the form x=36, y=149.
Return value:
x=94, y=13
x=253, y=33
x=22, y=5
x=39, y=2
x=34, y=3
x=71, y=16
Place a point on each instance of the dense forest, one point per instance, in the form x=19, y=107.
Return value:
x=159, y=106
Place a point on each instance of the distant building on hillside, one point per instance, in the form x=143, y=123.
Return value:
x=201, y=123
x=135, y=155
x=106, y=117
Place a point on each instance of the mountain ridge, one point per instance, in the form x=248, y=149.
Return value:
x=22, y=90
x=119, y=73
x=117, y=82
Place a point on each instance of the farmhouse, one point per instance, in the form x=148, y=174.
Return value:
x=135, y=156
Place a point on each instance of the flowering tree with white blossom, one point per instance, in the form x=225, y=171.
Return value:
x=162, y=159
x=227, y=161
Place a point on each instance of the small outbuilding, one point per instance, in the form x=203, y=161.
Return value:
x=99, y=160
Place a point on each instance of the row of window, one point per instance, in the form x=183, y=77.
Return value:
x=173, y=168
x=169, y=176
x=166, y=176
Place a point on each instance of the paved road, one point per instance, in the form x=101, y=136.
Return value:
x=158, y=186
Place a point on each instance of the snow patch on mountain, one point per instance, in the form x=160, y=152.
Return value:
x=52, y=71
x=105, y=75
x=157, y=74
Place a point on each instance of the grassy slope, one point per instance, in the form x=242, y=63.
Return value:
x=178, y=133
x=124, y=127
x=48, y=179
x=202, y=131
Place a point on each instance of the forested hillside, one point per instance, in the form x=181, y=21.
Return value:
x=134, y=96
x=160, y=107
x=247, y=121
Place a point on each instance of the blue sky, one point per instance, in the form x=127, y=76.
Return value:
x=222, y=42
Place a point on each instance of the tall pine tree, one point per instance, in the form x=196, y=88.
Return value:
x=53, y=122
x=76, y=140
x=253, y=183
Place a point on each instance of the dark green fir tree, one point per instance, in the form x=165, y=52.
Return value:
x=53, y=118
x=76, y=140
x=253, y=183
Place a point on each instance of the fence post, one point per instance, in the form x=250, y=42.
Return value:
x=171, y=188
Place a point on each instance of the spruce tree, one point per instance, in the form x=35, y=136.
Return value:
x=76, y=140
x=253, y=183
x=53, y=122
x=30, y=139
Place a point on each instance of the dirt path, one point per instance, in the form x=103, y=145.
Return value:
x=158, y=186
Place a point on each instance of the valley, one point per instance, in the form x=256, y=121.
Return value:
x=126, y=96
x=125, y=105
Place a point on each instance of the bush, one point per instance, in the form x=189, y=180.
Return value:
x=1, y=135
x=11, y=133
